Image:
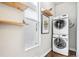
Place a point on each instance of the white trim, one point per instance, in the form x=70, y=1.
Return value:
x=46, y=53
x=31, y=47
x=73, y=49
x=39, y=17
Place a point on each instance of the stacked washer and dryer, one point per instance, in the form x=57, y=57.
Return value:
x=61, y=34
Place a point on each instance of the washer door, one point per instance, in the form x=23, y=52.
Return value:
x=59, y=43
x=59, y=24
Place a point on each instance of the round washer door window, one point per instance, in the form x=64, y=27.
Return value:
x=59, y=43
x=59, y=24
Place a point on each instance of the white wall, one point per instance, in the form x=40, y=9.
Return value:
x=11, y=40
x=10, y=13
x=77, y=30
x=70, y=9
x=45, y=45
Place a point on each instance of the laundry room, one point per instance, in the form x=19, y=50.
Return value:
x=39, y=29
x=63, y=26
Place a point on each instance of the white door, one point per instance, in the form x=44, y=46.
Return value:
x=31, y=34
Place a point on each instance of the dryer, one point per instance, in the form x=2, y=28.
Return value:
x=60, y=24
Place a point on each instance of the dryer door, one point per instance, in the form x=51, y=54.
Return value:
x=59, y=24
x=60, y=45
x=55, y=27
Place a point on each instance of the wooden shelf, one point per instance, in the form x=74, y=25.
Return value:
x=17, y=5
x=47, y=12
x=11, y=22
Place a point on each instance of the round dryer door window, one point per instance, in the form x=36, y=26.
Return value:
x=59, y=43
x=59, y=24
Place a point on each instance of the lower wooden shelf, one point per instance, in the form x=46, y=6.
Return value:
x=11, y=22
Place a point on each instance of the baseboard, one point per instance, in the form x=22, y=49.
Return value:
x=46, y=53
x=50, y=50
x=72, y=49
x=77, y=54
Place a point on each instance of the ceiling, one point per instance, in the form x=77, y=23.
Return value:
x=32, y=5
x=57, y=3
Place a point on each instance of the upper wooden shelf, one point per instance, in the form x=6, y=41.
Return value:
x=17, y=5
x=11, y=22
x=47, y=12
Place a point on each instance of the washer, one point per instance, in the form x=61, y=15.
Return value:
x=61, y=44
x=60, y=24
